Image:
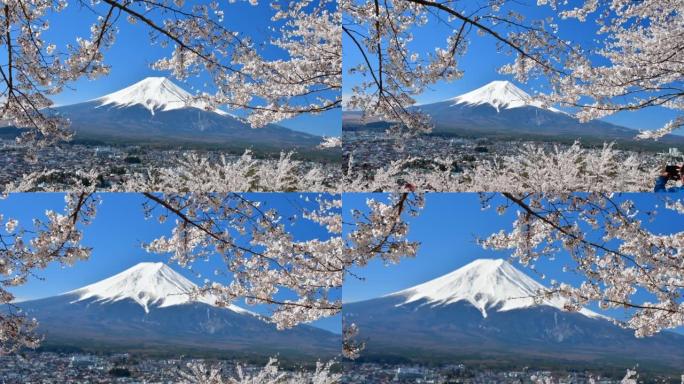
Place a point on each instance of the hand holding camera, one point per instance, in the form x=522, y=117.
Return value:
x=673, y=172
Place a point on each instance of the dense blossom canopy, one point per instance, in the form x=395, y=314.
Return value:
x=306, y=79
x=256, y=244
x=635, y=63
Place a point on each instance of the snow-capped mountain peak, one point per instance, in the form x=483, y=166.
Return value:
x=154, y=93
x=500, y=94
x=148, y=284
x=487, y=285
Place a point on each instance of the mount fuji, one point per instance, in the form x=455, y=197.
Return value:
x=501, y=110
x=483, y=314
x=148, y=309
x=155, y=111
x=500, y=95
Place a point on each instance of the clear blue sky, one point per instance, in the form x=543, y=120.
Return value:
x=116, y=236
x=132, y=54
x=482, y=61
x=448, y=228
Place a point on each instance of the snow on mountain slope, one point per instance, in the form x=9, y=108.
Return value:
x=154, y=93
x=486, y=284
x=148, y=284
x=500, y=94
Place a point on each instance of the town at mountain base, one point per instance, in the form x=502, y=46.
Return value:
x=482, y=314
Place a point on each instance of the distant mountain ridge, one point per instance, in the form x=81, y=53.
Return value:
x=149, y=309
x=501, y=110
x=483, y=314
x=157, y=112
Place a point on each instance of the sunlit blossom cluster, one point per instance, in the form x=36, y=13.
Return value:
x=199, y=373
x=194, y=172
x=532, y=168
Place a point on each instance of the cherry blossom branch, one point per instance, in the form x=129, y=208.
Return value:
x=401, y=73
x=638, y=261
x=55, y=240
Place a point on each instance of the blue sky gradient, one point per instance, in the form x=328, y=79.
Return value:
x=132, y=54
x=116, y=236
x=448, y=229
x=481, y=64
